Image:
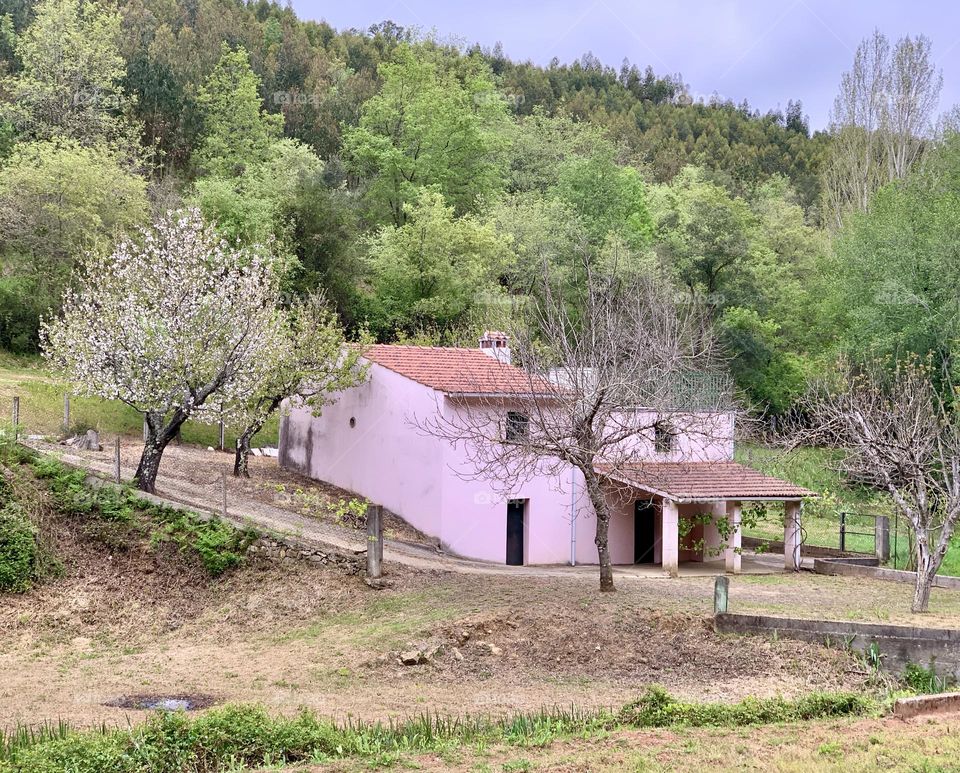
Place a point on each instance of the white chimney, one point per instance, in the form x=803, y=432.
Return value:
x=497, y=345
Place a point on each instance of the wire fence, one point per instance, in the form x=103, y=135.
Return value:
x=107, y=437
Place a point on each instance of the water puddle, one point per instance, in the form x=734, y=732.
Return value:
x=162, y=702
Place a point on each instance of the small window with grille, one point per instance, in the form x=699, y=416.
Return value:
x=516, y=426
x=662, y=438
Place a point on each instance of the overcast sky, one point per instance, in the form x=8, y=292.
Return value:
x=767, y=52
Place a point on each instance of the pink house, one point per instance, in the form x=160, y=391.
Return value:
x=371, y=442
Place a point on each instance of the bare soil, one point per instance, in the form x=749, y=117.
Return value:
x=143, y=621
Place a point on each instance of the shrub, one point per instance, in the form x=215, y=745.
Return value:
x=925, y=680
x=19, y=550
x=657, y=708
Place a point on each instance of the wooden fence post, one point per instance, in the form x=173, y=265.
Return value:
x=116, y=459
x=721, y=594
x=223, y=491
x=16, y=417
x=374, y=541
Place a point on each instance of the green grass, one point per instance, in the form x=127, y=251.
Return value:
x=41, y=408
x=237, y=737
x=815, y=469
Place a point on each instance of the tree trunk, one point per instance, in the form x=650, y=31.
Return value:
x=146, y=475
x=599, y=503
x=926, y=571
x=240, y=467
x=158, y=436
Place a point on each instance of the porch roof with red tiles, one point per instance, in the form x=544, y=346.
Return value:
x=704, y=481
x=458, y=371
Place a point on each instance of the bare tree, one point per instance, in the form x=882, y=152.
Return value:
x=899, y=435
x=608, y=363
x=880, y=120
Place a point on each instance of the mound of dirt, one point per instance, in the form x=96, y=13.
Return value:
x=568, y=643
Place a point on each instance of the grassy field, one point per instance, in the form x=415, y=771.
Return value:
x=815, y=469
x=41, y=409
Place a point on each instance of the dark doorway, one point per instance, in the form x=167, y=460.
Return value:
x=515, y=509
x=644, y=515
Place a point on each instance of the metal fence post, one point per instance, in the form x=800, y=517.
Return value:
x=66, y=411
x=374, y=541
x=882, y=538
x=16, y=417
x=116, y=459
x=843, y=532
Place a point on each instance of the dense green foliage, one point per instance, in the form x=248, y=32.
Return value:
x=19, y=549
x=420, y=185
x=232, y=737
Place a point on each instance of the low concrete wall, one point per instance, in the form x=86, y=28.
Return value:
x=812, y=551
x=849, y=569
x=898, y=645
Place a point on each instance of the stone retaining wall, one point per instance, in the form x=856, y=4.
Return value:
x=898, y=645
x=285, y=550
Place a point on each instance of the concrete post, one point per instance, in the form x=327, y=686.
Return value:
x=882, y=537
x=670, y=538
x=791, y=535
x=374, y=541
x=116, y=459
x=721, y=594
x=16, y=417
x=146, y=430
x=712, y=541
x=66, y=411
x=732, y=553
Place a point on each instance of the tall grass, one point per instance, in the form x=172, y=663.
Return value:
x=234, y=737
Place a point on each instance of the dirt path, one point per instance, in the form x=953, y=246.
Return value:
x=192, y=476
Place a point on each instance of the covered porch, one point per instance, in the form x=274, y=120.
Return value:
x=673, y=513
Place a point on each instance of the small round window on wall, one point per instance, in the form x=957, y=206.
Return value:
x=353, y=422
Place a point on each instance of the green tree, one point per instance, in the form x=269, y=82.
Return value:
x=430, y=271
x=894, y=284
x=237, y=131
x=436, y=121
x=611, y=200
x=69, y=84
x=705, y=233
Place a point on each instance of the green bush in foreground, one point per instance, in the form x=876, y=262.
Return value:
x=657, y=708
x=19, y=550
x=234, y=737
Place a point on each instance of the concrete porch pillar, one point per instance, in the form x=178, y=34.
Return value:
x=670, y=537
x=712, y=541
x=791, y=535
x=732, y=553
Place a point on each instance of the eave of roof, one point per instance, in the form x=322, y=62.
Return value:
x=694, y=482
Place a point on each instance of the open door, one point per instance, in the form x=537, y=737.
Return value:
x=515, y=508
x=644, y=516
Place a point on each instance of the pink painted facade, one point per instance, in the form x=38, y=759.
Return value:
x=369, y=442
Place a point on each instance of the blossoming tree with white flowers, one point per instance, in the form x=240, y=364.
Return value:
x=169, y=323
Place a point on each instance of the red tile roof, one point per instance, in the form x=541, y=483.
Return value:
x=454, y=370
x=704, y=481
